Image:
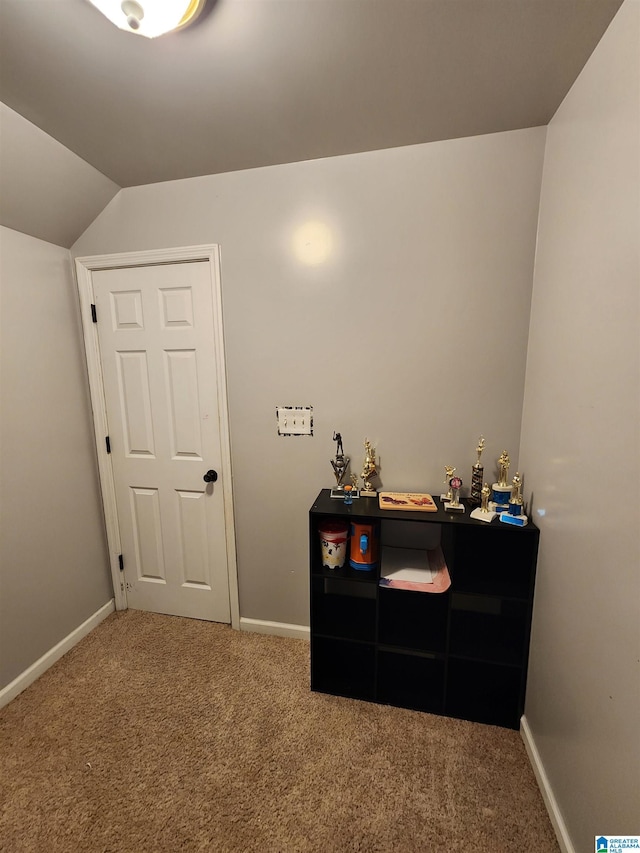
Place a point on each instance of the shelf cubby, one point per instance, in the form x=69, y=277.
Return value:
x=488, y=628
x=343, y=668
x=484, y=692
x=344, y=608
x=413, y=620
x=411, y=681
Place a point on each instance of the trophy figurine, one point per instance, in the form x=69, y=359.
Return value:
x=454, y=504
x=484, y=498
x=515, y=514
x=483, y=512
x=339, y=465
x=449, y=471
x=369, y=470
x=503, y=465
x=501, y=489
x=477, y=475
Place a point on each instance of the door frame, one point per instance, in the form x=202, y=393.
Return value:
x=84, y=267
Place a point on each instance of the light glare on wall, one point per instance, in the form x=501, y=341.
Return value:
x=150, y=18
x=312, y=243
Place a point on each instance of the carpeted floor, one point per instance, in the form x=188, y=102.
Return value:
x=164, y=734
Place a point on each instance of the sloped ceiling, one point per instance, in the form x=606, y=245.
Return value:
x=46, y=190
x=261, y=82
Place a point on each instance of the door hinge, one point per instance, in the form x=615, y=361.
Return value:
x=94, y=315
x=107, y=441
x=121, y=562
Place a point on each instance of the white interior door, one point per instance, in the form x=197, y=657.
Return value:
x=156, y=334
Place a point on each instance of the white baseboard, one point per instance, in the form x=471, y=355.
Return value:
x=555, y=815
x=49, y=658
x=280, y=629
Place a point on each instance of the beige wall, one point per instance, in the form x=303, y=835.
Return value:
x=54, y=573
x=580, y=448
x=412, y=332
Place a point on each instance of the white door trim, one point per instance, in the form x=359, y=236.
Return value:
x=84, y=268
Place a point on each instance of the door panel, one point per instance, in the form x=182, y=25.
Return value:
x=147, y=534
x=184, y=409
x=193, y=538
x=156, y=337
x=135, y=403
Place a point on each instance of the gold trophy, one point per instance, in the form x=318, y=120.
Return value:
x=449, y=471
x=454, y=504
x=501, y=489
x=339, y=465
x=477, y=475
x=503, y=465
x=369, y=470
x=484, y=500
x=484, y=512
x=515, y=514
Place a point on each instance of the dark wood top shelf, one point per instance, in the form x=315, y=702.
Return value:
x=368, y=508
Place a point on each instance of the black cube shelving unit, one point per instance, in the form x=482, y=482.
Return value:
x=462, y=653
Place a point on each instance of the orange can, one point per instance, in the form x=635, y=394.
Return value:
x=364, y=545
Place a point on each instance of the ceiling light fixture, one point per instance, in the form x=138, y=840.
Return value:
x=150, y=18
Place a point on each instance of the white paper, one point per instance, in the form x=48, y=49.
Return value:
x=406, y=564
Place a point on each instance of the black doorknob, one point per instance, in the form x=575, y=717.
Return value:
x=210, y=476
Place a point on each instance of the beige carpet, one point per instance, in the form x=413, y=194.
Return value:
x=165, y=734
